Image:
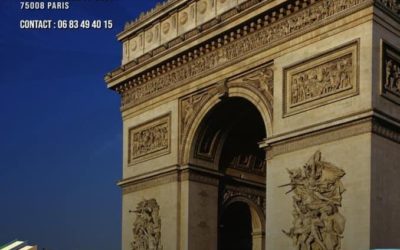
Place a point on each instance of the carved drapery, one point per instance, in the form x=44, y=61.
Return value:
x=147, y=226
x=317, y=196
x=228, y=49
x=391, y=73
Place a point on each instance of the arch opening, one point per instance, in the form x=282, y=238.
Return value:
x=236, y=228
x=227, y=138
x=227, y=141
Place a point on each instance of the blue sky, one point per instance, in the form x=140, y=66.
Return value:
x=60, y=128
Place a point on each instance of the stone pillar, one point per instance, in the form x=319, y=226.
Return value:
x=199, y=206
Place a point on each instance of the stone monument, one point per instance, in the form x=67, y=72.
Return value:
x=261, y=124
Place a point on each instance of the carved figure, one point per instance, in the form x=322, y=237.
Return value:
x=191, y=105
x=147, y=226
x=317, y=222
x=263, y=81
x=392, y=79
x=149, y=139
x=325, y=79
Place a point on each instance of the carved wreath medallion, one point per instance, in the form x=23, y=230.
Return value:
x=317, y=197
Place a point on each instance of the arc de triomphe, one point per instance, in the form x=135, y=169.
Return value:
x=261, y=124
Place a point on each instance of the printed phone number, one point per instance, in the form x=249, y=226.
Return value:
x=66, y=24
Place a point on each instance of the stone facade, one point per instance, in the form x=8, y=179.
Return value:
x=229, y=104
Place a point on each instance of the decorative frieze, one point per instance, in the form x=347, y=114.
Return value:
x=179, y=22
x=230, y=48
x=390, y=73
x=321, y=80
x=317, y=198
x=149, y=140
x=386, y=129
x=147, y=226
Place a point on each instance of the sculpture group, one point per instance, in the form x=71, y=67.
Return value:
x=147, y=226
x=392, y=81
x=326, y=79
x=317, y=196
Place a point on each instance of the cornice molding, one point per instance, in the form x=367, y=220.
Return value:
x=179, y=174
x=148, y=15
x=390, y=7
x=147, y=55
x=258, y=34
x=373, y=124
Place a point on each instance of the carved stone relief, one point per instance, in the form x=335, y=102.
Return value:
x=187, y=19
x=169, y=28
x=202, y=6
x=391, y=73
x=189, y=108
x=147, y=226
x=261, y=80
x=229, y=49
x=317, y=196
x=206, y=10
x=135, y=46
x=149, y=140
x=321, y=80
x=152, y=37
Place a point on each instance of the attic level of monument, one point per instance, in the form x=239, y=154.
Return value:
x=170, y=64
